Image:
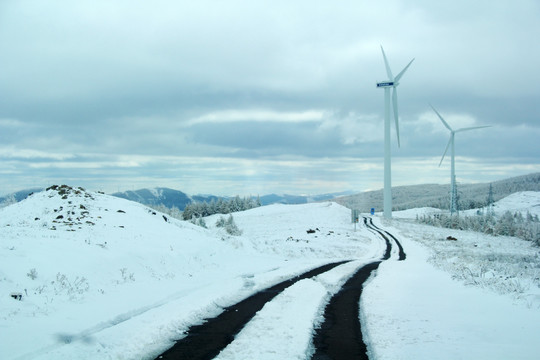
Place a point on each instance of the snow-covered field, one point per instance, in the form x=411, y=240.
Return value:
x=105, y=278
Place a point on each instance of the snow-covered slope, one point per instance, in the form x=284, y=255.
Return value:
x=475, y=297
x=101, y=277
x=525, y=201
x=105, y=276
x=85, y=262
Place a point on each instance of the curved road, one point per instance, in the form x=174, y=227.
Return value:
x=402, y=255
x=339, y=336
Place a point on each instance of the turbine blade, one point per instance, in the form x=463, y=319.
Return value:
x=396, y=115
x=403, y=71
x=446, y=150
x=440, y=117
x=472, y=128
x=388, y=71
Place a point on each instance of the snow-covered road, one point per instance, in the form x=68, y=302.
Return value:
x=337, y=335
x=205, y=341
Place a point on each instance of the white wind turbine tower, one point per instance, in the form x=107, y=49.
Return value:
x=392, y=82
x=453, y=189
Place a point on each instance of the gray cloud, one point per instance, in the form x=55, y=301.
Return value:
x=122, y=94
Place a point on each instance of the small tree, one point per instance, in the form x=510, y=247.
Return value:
x=187, y=214
x=505, y=225
x=230, y=226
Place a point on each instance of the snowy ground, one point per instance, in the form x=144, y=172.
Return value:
x=104, y=278
x=415, y=311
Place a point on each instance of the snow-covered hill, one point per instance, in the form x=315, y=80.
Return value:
x=523, y=202
x=86, y=263
x=436, y=195
x=102, y=277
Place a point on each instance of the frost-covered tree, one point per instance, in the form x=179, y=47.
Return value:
x=508, y=224
x=229, y=225
x=505, y=225
x=203, y=209
x=222, y=207
x=8, y=201
x=173, y=212
x=199, y=221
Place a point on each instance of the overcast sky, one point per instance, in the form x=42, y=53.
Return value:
x=255, y=97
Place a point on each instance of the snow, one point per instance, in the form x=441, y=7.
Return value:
x=413, y=311
x=525, y=201
x=412, y=213
x=283, y=338
x=113, y=279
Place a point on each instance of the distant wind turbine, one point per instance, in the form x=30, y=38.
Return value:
x=392, y=82
x=453, y=189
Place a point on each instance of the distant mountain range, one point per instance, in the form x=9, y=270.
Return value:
x=404, y=197
x=176, y=198
x=18, y=196
x=300, y=199
x=162, y=196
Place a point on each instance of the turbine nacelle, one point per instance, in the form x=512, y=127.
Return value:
x=393, y=82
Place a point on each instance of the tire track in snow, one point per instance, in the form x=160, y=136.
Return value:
x=370, y=226
x=340, y=335
x=402, y=255
x=205, y=341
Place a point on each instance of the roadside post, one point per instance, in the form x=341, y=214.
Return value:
x=354, y=217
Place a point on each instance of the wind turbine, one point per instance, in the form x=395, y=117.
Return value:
x=392, y=82
x=453, y=189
